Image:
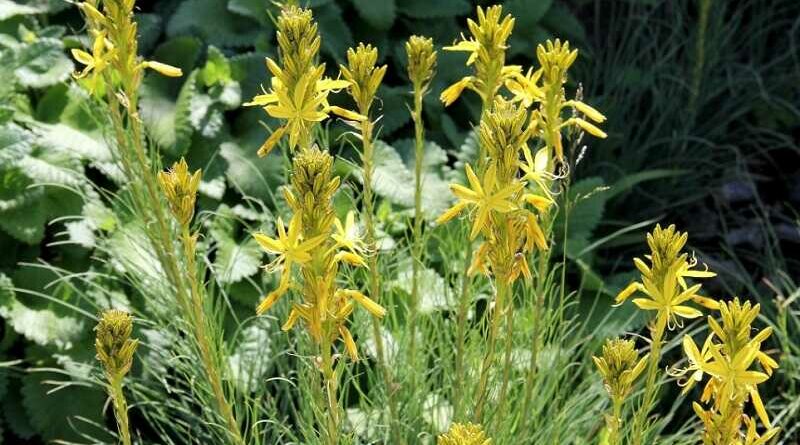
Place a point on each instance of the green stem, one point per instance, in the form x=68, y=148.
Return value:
x=501, y=294
x=700, y=54
x=615, y=423
x=207, y=352
x=461, y=330
x=418, y=218
x=120, y=409
x=639, y=427
x=330, y=385
x=509, y=333
x=374, y=273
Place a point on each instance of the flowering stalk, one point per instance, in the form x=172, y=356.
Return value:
x=620, y=366
x=421, y=67
x=726, y=357
x=180, y=188
x=316, y=241
x=116, y=70
x=115, y=351
x=664, y=289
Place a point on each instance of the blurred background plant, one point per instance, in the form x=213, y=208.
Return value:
x=703, y=121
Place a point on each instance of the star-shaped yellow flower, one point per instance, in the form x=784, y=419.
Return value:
x=290, y=249
x=348, y=237
x=485, y=198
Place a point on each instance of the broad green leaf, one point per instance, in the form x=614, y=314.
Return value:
x=255, y=9
x=252, y=357
x=213, y=22
x=434, y=292
x=42, y=63
x=235, y=261
x=74, y=142
x=253, y=176
x=425, y=9
x=378, y=13
x=25, y=218
x=54, y=413
x=10, y=8
x=217, y=69
x=336, y=36
x=41, y=326
x=394, y=181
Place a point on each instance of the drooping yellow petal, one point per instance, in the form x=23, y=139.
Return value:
x=163, y=68
x=271, y=142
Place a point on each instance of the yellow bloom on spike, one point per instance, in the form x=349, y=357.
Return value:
x=487, y=54
x=464, y=434
x=484, y=197
x=363, y=76
x=620, y=366
x=663, y=286
x=421, y=61
x=98, y=60
x=727, y=358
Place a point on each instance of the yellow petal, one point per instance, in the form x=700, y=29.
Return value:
x=368, y=304
x=270, y=300
x=164, y=69
x=349, y=344
x=82, y=57
x=686, y=312
x=271, y=141
x=626, y=293
x=451, y=213
x=347, y=114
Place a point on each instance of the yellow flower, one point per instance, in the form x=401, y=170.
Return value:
x=98, y=60
x=487, y=53
x=301, y=108
x=663, y=281
x=290, y=249
x=753, y=438
x=484, y=197
x=362, y=74
x=349, y=237
x=464, y=434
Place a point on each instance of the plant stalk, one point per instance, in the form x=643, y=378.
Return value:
x=419, y=138
x=650, y=390
x=120, y=409
x=502, y=290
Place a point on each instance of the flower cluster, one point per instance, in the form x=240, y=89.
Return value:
x=114, y=45
x=487, y=52
x=317, y=242
x=298, y=93
x=464, y=434
x=727, y=357
x=113, y=343
x=180, y=188
x=620, y=366
x=545, y=87
x=500, y=206
x=362, y=74
x=663, y=283
x=421, y=61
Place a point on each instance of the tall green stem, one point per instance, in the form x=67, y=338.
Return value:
x=374, y=273
x=639, y=427
x=120, y=409
x=207, y=353
x=330, y=388
x=419, y=134
x=502, y=291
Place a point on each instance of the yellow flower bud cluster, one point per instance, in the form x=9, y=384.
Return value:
x=115, y=45
x=464, y=434
x=299, y=91
x=180, y=188
x=727, y=358
x=620, y=366
x=421, y=61
x=500, y=206
x=113, y=343
x=363, y=75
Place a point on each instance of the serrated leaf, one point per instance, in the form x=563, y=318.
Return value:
x=425, y=9
x=42, y=63
x=336, y=36
x=41, y=326
x=213, y=22
x=394, y=181
x=54, y=414
x=250, y=360
x=250, y=174
x=72, y=141
x=9, y=8
x=378, y=13
x=235, y=261
x=434, y=292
